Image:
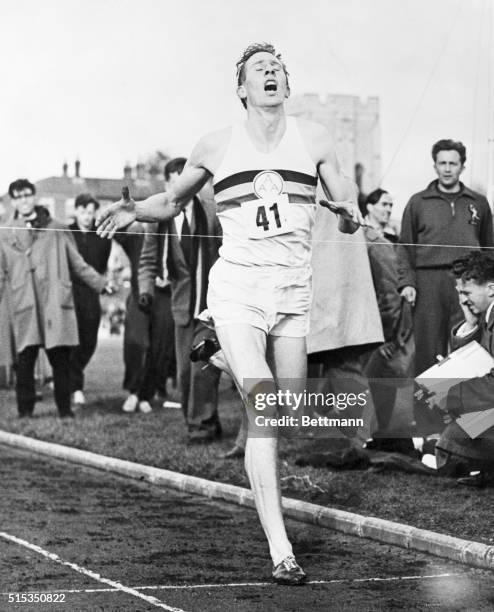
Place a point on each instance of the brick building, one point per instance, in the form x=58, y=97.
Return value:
x=57, y=193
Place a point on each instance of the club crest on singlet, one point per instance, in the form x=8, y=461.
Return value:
x=268, y=183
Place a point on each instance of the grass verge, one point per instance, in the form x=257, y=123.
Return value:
x=159, y=439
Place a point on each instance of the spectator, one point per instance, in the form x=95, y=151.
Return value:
x=394, y=358
x=141, y=378
x=184, y=248
x=377, y=208
x=37, y=259
x=155, y=302
x=7, y=353
x=436, y=221
x=136, y=327
x=95, y=251
x=475, y=285
x=7, y=356
x=345, y=323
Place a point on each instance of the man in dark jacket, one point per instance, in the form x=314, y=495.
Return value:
x=38, y=258
x=439, y=224
x=96, y=252
x=149, y=350
x=183, y=250
x=475, y=286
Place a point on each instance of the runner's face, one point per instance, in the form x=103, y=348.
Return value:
x=380, y=212
x=265, y=83
x=476, y=297
x=85, y=216
x=448, y=167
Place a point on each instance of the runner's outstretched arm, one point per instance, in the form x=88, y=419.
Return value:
x=340, y=191
x=342, y=194
x=159, y=207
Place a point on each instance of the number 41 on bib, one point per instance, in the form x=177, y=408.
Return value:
x=266, y=217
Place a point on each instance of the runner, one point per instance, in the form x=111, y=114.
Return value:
x=264, y=174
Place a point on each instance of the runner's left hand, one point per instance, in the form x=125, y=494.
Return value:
x=350, y=216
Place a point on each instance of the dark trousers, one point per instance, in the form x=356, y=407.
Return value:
x=88, y=325
x=25, y=389
x=342, y=370
x=198, y=386
x=160, y=362
x=383, y=389
x=436, y=311
x=149, y=347
x=458, y=454
x=135, y=345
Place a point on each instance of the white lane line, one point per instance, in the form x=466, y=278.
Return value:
x=117, y=586
x=171, y=587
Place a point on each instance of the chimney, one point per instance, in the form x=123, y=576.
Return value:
x=141, y=172
x=127, y=171
x=65, y=168
x=77, y=168
x=359, y=174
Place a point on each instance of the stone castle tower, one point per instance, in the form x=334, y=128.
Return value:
x=355, y=127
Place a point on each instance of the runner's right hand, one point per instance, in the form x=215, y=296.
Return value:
x=116, y=216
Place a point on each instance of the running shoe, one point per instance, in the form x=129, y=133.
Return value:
x=289, y=572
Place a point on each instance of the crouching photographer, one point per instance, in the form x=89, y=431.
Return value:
x=456, y=452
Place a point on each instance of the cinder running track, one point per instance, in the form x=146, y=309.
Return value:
x=101, y=542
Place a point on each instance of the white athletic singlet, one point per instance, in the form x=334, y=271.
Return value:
x=266, y=202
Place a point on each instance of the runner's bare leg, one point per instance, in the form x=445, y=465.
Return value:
x=245, y=348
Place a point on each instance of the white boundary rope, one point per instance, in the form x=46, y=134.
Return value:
x=146, y=233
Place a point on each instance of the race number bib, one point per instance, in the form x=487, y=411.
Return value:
x=267, y=217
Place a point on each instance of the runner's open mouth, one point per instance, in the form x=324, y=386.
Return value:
x=271, y=86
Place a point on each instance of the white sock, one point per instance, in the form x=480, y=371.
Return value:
x=261, y=464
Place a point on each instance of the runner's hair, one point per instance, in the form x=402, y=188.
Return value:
x=252, y=49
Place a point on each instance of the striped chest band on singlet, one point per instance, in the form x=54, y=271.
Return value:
x=231, y=191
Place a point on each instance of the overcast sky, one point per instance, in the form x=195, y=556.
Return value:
x=114, y=80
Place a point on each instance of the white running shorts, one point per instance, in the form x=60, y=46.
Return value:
x=275, y=299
